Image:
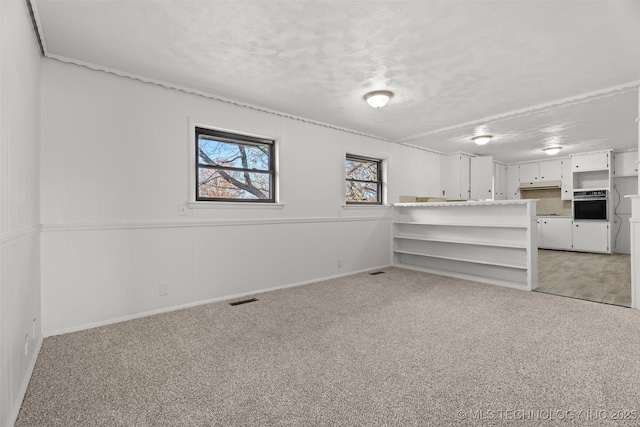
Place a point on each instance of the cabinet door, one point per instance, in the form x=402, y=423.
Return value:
x=530, y=172
x=539, y=233
x=481, y=178
x=499, y=181
x=590, y=236
x=551, y=170
x=451, y=177
x=590, y=161
x=465, y=177
x=625, y=164
x=556, y=233
x=456, y=177
x=513, y=182
x=567, y=180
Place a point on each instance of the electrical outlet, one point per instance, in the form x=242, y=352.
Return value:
x=339, y=262
x=164, y=289
x=26, y=345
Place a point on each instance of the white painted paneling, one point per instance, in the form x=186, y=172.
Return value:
x=19, y=205
x=112, y=233
x=620, y=231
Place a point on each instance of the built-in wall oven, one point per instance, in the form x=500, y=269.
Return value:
x=592, y=204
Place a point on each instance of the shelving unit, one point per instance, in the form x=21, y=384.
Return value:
x=492, y=242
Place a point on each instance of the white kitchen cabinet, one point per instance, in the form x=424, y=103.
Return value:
x=567, y=180
x=551, y=170
x=529, y=172
x=555, y=233
x=597, y=160
x=481, y=175
x=625, y=164
x=513, y=182
x=591, y=236
x=457, y=176
x=499, y=181
x=592, y=171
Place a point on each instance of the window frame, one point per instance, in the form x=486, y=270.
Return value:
x=237, y=138
x=379, y=183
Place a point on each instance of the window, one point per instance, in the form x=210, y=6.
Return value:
x=364, y=180
x=234, y=168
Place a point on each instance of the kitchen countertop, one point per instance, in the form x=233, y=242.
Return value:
x=553, y=216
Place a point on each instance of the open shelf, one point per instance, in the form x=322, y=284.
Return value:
x=488, y=242
x=448, y=224
x=473, y=261
x=464, y=242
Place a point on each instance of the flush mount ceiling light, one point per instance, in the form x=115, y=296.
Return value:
x=378, y=98
x=552, y=150
x=481, y=139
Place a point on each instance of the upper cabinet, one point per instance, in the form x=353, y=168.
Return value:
x=598, y=160
x=530, y=172
x=567, y=180
x=592, y=171
x=549, y=170
x=625, y=164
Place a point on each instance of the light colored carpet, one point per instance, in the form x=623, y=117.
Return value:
x=397, y=349
x=593, y=277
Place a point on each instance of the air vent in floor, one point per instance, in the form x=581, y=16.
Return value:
x=375, y=273
x=244, y=301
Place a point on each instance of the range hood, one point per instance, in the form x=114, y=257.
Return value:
x=542, y=185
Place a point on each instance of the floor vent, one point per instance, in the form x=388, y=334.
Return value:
x=244, y=301
x=375, y=273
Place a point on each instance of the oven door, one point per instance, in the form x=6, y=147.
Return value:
x=590, y=209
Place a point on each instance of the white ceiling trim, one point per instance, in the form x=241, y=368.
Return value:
x=560, y=103
x=207, y=95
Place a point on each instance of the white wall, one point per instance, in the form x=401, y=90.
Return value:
x=621, y=227
x=116, y=168
x=20, y=205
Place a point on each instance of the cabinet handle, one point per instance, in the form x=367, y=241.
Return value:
x=577, y=225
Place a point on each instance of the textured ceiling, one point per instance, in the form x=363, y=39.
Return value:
x=448, y=62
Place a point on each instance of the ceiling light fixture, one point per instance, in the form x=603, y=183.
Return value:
x=378, y=98
x=481, y=139
x=552, y=150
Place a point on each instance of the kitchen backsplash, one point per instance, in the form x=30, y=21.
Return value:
x=550, y=202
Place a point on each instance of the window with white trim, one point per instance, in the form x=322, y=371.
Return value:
x=234, y=168
x=363, y=180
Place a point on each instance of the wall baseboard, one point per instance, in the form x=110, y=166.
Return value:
x=15, y=410
x=197, y=303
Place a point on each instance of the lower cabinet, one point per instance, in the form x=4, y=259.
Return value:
x=555, y=233
x=591, y=236
x=566, y=234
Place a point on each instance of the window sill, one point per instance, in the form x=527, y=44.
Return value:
x=234, y=205
x=368, y=207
